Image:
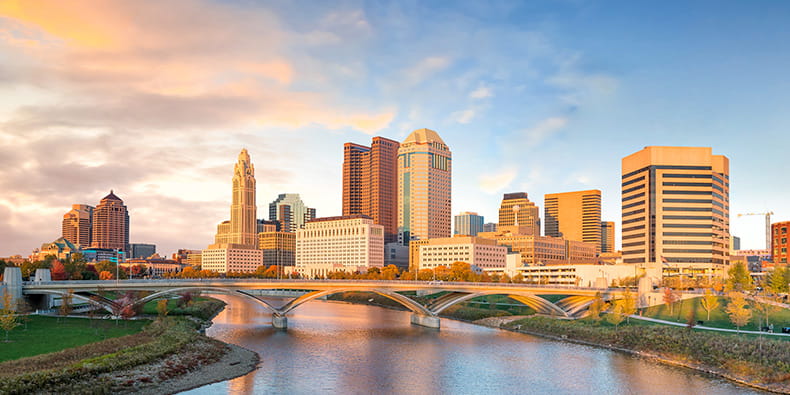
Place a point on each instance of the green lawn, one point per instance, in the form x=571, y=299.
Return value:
x=718, y=317
x=49, y=334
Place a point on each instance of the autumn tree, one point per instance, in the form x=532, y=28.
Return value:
x=628, y=304
x=737, y=310
x=709, y=302
x=615, y=316
x=670, y=297
x=596, y=308
x=65, y=303
x=8, y=318
x=389, y=272
x=58, y=271
x=161, y=308
x=739, y=279
x=779, y=280
x=105, y=275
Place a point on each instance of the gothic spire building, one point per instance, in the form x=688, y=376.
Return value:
x=242, y=227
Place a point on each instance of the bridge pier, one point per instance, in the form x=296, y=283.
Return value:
x=425, y=320
x=12, y=283
x=279, y=321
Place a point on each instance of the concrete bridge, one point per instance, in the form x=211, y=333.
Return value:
x=574, y=303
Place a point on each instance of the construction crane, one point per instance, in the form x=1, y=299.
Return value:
x=767, y=227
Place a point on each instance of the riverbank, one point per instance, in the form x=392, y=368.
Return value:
x=170, y=355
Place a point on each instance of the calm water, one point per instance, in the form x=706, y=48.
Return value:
x=350, y=349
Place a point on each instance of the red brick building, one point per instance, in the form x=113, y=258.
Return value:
x=779, y=244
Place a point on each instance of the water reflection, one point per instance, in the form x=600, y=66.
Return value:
x=334, y=347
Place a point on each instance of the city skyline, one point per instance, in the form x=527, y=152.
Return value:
x=548, y=104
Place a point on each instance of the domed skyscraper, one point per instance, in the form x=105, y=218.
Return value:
x=111, y=224
x=424, y=187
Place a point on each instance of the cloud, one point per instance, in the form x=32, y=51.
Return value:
x=425, y=68
x=481, y=92
x=465, y=116
x=142, y=64
x=495, y=182
x=544, y=130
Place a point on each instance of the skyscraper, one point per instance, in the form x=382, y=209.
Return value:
x=110, y=224
x=676, y=210
x=607, y=236
x=517, y=210
x=424, y=187
x=468, y=224
x=370, y=183
x=290, y=211
x=235, y=247
x=574, y=216
x=78, y=224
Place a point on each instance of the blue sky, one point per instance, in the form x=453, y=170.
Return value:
x=155, y=101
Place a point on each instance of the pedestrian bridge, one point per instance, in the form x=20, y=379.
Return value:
x=574, y=304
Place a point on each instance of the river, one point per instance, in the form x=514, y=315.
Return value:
x=340, y=348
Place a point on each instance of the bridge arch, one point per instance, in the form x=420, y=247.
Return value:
x=404, y=301
x=92, y=299
x=215, y=290
x=536, y=302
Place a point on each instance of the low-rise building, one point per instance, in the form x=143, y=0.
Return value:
x=223, y=258
x=542, y=250
x=60, y=248
x=476, y=251
x=279, y=248
x=396, y=254
x=598, y=276
x=349, y=243
x=154, y=266
x=780, y=243
x=141, y=250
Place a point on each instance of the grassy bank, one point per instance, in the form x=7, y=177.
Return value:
x=718, y=316
x=42, y=335
x=762, y=362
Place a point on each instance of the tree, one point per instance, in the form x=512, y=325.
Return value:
x=778, y=280
x=764, y=309
x=670, y=297
x=518, y=278
x=738, y=278
x=59, y=271
x=65, y=303
x=596, y=308
x=8, y=318
x=615, y=316
x=737, y=310
x=628, y=304
x=161, y=308
x=29, y=268
x=105, y=275
x=389, y=272
x=709, y=302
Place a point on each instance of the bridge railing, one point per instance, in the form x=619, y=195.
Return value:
x=421, y=284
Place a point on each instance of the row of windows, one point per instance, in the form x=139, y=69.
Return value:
x=640, y=211
x=672, y=175
x=666, y=167
x=688, y=234
x=689, y=217
x=696, y=209
x=632, y=197
x=688, y=251
x=627, y=206
x=636, y=188
x=686, y=184
x=627, y=183
x=700, y=226
x=631, y=221
x=672, y=192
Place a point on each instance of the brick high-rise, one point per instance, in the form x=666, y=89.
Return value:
x=111, y=224
x=370, y=183
x=77, y=225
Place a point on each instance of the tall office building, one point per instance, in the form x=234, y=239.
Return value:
x=424, y=187
x=370, y=183
x=77, y=225
x=110, y=224
x=468, y=224
x=779, y=242
x=141, y=250
x=517, y=210
x=574, y=216
x=607, y=237
x=235, y=247
x=676, y=210
x=290, y=211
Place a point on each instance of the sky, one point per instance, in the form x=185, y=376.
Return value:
x=155, y=99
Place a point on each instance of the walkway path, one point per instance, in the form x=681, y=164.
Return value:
x=707, y=328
